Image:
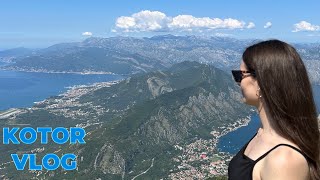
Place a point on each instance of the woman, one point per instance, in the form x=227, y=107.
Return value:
x=274, y=79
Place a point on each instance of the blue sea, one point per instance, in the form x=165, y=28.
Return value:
x=22, y=89
x=233, y=141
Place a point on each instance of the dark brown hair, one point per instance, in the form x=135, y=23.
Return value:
x=287, y=96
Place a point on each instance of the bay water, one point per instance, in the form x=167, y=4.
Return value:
x=22, y=89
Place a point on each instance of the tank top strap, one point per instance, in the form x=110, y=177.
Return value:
x=245, y=146
x=265, y=154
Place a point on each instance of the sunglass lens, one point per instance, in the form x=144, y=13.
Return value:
x=237, y=75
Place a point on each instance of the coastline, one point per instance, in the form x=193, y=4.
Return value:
x=85, y=72
x=19, y=102
x=73, y=92
x=79, y=90
x=234, y=126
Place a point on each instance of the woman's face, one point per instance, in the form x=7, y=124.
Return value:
x=249, y=88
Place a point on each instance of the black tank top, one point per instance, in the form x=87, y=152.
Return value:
x=241, y=166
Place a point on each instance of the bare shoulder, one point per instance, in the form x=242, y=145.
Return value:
x=285, y=163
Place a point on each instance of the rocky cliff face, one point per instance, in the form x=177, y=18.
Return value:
x=158, y=86
x=110, y=161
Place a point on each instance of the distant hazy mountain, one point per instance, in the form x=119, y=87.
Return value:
x=11, y=55
x=87, y=59
x=222, y=52
x=136, y=122
x=310, y=53
x=128, y=55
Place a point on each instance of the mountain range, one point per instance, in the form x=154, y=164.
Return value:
x=129, y=55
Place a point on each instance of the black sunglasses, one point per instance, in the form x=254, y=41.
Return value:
x=238, y=75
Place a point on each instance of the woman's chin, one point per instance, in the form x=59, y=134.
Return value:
x=244, y=100
x=251, y=103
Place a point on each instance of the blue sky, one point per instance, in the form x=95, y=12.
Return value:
x=41, y=23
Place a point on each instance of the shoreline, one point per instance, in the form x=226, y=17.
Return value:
x=79, y=90
x=67, y=89
x=76, y=88
x=86, y=72
x=234, y=126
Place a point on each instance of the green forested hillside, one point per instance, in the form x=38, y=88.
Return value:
x=133, y=127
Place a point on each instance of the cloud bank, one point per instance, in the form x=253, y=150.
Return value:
x=155, y=21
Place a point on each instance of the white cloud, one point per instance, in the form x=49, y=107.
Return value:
x=187, y=21
x=251, y=25
x=268, y=25
x=143, y=21
x=305, y=26
x=87, y=33
x=158, y=21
